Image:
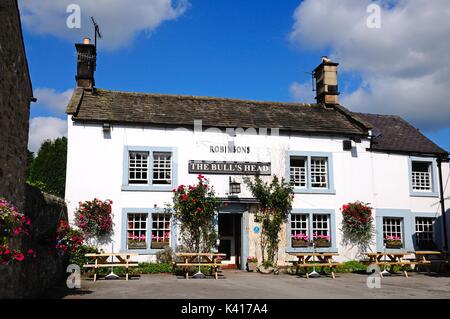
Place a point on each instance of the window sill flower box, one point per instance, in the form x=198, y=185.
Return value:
x=159, y=244
x=134, y=244
x=391, y=244
x=299, y=243
x=322, y=243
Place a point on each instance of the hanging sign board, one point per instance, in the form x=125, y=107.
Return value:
x=229, y=168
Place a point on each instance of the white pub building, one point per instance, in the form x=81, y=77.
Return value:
x=134, y=148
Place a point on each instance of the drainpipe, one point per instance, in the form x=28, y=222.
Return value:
x=442, y=200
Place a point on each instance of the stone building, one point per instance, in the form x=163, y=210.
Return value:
x=134, y=148
x=15, y=96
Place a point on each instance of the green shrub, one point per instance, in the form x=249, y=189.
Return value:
x=351, y=266
x=155, y=268
x=77, y=257
x=165, y=256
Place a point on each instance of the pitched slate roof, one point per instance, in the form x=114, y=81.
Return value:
x=181, y=110
x=159, y=109
x=397, y=135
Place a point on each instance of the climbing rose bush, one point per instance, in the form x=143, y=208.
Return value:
x=94, y=218
x=195, y=207
x=68, y=239
x=12, y=224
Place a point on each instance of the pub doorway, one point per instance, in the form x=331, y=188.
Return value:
x=230, y=235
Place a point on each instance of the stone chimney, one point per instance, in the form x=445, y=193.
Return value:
x=325, y=76
x=86, y=63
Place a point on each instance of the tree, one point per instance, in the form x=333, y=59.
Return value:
x=275, y=202
x=48, y=169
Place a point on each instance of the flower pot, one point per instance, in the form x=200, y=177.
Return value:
x=252, y=267
x=299, y=243
x=159, y=245
x=264, y=270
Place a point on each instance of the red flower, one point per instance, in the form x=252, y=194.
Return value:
x=199, y=209
x=19, y=257
x=184, y=197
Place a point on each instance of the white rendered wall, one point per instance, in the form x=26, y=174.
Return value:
x=95, y=169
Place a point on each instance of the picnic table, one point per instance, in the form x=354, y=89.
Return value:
x=426, y=258
x=104, y=260
x=390, y=259
x=322, y=260
x=212, y=260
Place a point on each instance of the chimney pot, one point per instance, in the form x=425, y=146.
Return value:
x=86, y=41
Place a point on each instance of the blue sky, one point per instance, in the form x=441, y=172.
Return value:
x=248, y=49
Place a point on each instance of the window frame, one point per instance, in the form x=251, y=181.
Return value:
x=433, y=166
x=308, y=156
x=149, y=186
x=402, y=229
x=311, y=212
x=433, y=232
x=149, y=212
x=136, y=229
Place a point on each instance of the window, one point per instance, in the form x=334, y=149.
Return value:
x=299, y=230
x=310, y=172
x=162, y=168
x=421, y=176
x=138, y=168
x=149, y=168
x=160, y=230
x=319, y=174
x=298, y=171
x=307, y=228
x=321, y=225
x=137, y=231
x=393, y=232
x=424, y=232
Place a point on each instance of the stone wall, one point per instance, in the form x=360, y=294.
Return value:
x=15, y=93
x=35, y=277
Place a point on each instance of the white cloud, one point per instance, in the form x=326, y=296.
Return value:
x=43, y=128
x=119, y=20
x=52, y=100
x=302, y=92
x=404, y=64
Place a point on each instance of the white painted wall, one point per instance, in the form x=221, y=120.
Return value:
x=95, y=169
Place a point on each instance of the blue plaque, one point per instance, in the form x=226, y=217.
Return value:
x=256, y=229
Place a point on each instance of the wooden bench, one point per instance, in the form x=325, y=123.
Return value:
x=101, y=261
x=211, y=260
x=322, y=260
x=321, y=265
